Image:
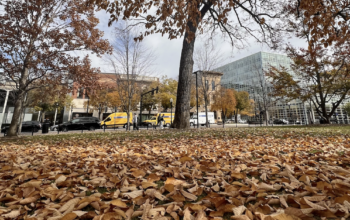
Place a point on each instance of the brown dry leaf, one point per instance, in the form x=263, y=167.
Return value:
x=60, y=179
x=138, y=173
x=146, y=208
x=13, y=214
x=185, y=159
x=69, y=216
x=119, y=203
x=155, y=193
x=110, y=216
x=133, y=194
x=188, y=195
x=187, y=215
x=283, y=216
x=238, y=175
x=146, y=185
x=29, y=200
x=120, y=212
x=79, y=213
x=174, y=181
x=239, y=210
x=153, y=177
x=69, y=204
x=32, y=183
x=240, y=217
x=313, y=205
x=175, y=216
x=201, y=215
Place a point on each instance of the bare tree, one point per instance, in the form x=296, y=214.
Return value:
x=132, y=63
x=263, y=92
x=206, y=58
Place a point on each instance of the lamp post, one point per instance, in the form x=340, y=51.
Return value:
x=115, y=109
x=171, y=112
x=54, y=121
x=236, y=119
x=197, y=94
x=142, y=94
x=99, y=111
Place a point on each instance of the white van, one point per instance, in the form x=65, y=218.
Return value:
x=202, y=118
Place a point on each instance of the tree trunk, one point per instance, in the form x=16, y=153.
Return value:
x=182, y=108
x=16, y=115
x=43, y=116
x=20, y=121
x=128, y=115
x=206, y=113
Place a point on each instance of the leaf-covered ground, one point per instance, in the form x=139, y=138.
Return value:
x=283, y=174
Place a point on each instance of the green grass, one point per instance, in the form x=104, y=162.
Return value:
x=281, y=132
x=315, y=151
x=102, y=190
x=159, y=183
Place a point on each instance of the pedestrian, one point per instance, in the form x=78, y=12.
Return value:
x=134, y=120
x=161, y=122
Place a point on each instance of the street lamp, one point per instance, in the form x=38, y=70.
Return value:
x=56, y=105
x=197, y=94
x=99, y=111
x=171, y=112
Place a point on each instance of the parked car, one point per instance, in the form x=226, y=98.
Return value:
x=255, y=122
x=81, y=123
x=27, y=126
x=280, y=121
x=54, y=128
x=294, y=122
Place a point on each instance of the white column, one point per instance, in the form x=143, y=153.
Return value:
x=39, y=116
x=3, y=110
x=54, y=122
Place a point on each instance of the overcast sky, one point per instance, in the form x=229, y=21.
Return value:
x=168, y=51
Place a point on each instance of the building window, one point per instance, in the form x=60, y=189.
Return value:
x=213, y=85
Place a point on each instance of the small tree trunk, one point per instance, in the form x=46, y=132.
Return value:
x=128, y=117
x=206, y=113
x=16, y=115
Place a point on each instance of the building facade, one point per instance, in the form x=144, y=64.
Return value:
x=82, y=108
x=247, y=74
x=207, y=82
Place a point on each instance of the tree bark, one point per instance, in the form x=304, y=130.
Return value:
x=43, y=116
x=182, y=108
x=206, y=113
x=16, y=115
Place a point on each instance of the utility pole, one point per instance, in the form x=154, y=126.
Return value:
x=142, y=94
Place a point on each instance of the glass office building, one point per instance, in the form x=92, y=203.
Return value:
x=247, y=74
